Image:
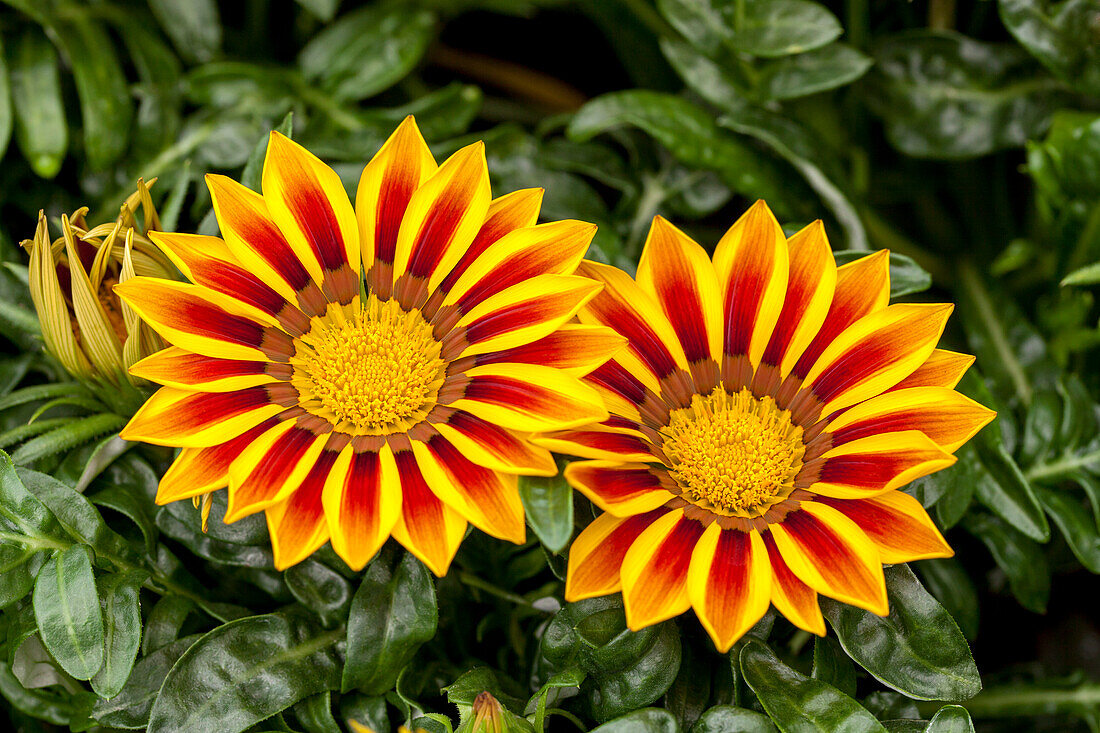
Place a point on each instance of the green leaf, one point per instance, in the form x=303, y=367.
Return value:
x=252, y=175
x=917, y=650
x=164, y=623
x=323, y=9
x=6, y=118
x=1062, y=35
x=548, y=504
x=906, y=276
x=646, y=720
x=392, y=614
x=66, y=608
x=20, y=509
x=105, y=105
x=948, y=581
x=118, y=594
x=244, y=672
x=1077, y=526
x=687, y=131
x=724, y=718
x=320, y=589
x=950, y=719
x=130, y=708
x=367, y=51
x=193, y=26
x=18, y=568
x=1087, y=275
x=40, y=127
x=832, y=666
x=774, y=28
x=828, y=67
x=67, y=436
x=1021, y=559
x=944, y=95
x=799, y=704
x=1004, y=489
x=315, y=714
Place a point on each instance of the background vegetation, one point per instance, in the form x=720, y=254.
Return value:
x=964, y=137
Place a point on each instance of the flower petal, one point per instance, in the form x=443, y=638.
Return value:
x=596, y=555
x=623, y=489
x=197, y=471
x=862, y=287
x=493, y=447
x=554, y=248
x=174, y=367
x=898, y=525
x=270, y=468
x=362, y=499
x=678, y=274
x=529, y=398
x=729, y=583
x=443, y=217
x=942, y=369
x=203, y=321
x=488, y=499
x=654, y=570
x=832, y=555
x=308, y=203
x=944, y=415
x=427, y=527
x=574, y=348
x=793, y=598
x=512, y=211
x=297, y=526
x=878, y=463
x=751, y=262
x=875, y=353
x=385, y=189
x=653, y=350
x=602, y=443
x=810, y=288
x=525, y=312
x=258, y=245
x=177, y=418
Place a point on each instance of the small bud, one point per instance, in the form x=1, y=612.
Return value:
x=488, y=716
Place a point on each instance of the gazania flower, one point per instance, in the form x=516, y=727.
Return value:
x=368, y=371
x=764, y=414
x=93, y=335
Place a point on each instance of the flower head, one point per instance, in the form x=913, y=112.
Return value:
x=764, y=414
x=92, y=334
x=368, y=371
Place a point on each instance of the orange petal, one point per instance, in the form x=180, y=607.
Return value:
x=529, y=398
x=297, y=526
x=487, y=499
x=729, y=583
x=573, y=347
x=270, y=468
x=897, y=524
x=308, y=203
x=512, y=211
x=596, y=555
x=810, y=289
x=678, y=274
x=602, y=443
x=654, y=571
x=197, y=471
x=176, y=418
x=942, y=369
x=555, y=248
x=385, y=189
x=862, y=287
x=623, y=489
x=832, y=555
x=876, y=353
x=751, y=262
x=174, y=367
x=427, y=527
x=493, y=447
x=877, y=464
x=947, y=417
x=443, y=217
x=793, y=598
x=362, y=499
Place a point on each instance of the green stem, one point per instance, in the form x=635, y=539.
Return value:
x=1062, y=468
x=649, y=17
x=475, y=582
x=1013, y=701
x=971, y=283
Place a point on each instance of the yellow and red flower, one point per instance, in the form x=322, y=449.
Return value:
x=357, y=372
x=764, y=413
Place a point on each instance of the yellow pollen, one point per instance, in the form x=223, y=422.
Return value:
x=374, y=371
x=733, y=454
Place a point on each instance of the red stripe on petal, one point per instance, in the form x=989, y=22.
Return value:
x=897, y=524
x=179, y=368
x=793, y=598
x=428, y=528
x=596, y=556
x=623, y=489
x=298, y=527
x=655, y=571
x=200, y=470
x=512, y=211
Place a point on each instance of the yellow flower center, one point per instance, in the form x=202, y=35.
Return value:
x=734, y=454
x=373, y=371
